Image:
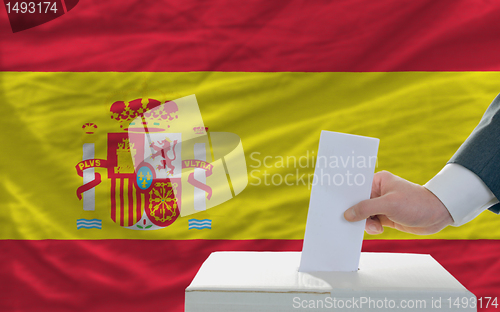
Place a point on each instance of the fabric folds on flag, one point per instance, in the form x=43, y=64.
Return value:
x=270, y=76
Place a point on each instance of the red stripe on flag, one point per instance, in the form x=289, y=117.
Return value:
x=130, y=189
x=113, y=200
x=140, y=275
x=260, y=35
x=122, y=199
x=138, y=205
x=63, y=3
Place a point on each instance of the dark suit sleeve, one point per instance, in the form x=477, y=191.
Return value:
x=480, y=153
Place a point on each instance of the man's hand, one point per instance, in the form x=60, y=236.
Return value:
x=400, y=204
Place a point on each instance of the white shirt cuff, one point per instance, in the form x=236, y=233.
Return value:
x=462, y=192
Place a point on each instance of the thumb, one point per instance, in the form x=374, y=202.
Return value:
x=367, y=208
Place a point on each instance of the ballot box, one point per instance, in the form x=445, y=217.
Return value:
x=271, y=282
x=331, y=273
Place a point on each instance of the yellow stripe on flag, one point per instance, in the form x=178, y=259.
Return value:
x=421, y=119
x=117, y=201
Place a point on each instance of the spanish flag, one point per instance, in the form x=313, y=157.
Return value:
x=116, y=176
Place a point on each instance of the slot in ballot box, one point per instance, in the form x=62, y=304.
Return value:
x=271, y=282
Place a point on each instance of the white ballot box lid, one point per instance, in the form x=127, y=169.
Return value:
x=270, y=281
